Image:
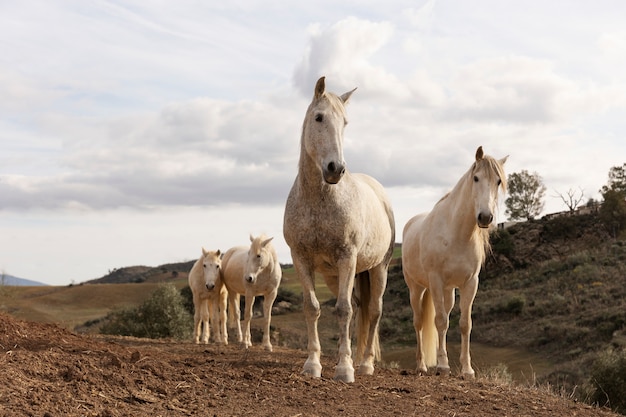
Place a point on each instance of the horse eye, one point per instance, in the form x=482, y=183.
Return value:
x=319, y=117
x=217, y=267
x=258, y=256
x=475, y=178
x=204, y=266
x=499, y=181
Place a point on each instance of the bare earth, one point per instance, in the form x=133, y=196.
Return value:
x=49, y=371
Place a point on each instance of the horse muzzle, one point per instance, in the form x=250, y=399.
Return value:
x=333, y=172
x=484, y=220
x=210, y=287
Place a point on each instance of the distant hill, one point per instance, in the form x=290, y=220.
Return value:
x=6, y=279
x=139, y=274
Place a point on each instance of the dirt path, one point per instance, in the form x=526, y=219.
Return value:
x=49, y=371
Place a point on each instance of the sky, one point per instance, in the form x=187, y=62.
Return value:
x=138, y=132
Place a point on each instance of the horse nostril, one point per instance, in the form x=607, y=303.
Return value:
x=331, y=167
x=485, y=218
x=249, y=278
x=210, y=287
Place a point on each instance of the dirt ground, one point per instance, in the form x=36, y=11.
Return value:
x=49, y=371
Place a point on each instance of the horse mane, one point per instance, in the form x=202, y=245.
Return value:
x=494, y=169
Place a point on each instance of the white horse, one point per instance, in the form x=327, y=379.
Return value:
x=252, y=271
x=339, y=224
x=444, y=250
x=209, y=295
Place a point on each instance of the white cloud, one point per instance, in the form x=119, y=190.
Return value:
x=343, y=52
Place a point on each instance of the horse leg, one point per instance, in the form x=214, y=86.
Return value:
x=416, y=297
x=214, y=320
x=247, y=316
x=196, y=320
x=268, y=302
x=443, y=301
x=371, y=310
x=312, y=366
x=468, y=292
x=222, y=301
x=234, y=314
x=345, y=370
x=204, y=320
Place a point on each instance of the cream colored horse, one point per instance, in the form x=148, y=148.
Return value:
x=252, y=271
x=444, y=250
x=341, y=225
x=209, y=298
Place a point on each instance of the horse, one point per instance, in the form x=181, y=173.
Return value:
x=251, y=271
x=341, y=225
x=443, y=250
x=209, y=295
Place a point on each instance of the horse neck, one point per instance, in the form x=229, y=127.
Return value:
x=310, y=180
x=464, y=220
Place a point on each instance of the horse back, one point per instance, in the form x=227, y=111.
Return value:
x=196, y=277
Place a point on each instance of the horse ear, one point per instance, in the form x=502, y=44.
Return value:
x=479, y=153
x=266, y=241
x=251, y=238
x=204, y=251
x=320, y=87
x=218, y=253
x=346, y=96
x=503, y=160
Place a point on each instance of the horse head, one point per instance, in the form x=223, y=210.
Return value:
x=259, y=258
x=211, y=265
x=322, y=132
x=488, y=176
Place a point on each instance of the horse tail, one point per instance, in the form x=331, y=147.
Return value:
x=363, y=296
x=430, y=337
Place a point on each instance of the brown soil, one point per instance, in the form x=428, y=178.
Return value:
x=49, y=371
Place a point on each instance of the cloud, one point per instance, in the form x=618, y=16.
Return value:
x=344, y=53
x=507, y=89
x=198, y=152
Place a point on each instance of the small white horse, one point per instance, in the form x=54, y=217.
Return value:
x=252, y=271
x=444, y=250
x=209, y=295
x=339, y=224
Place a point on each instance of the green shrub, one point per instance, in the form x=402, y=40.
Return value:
x=162, y=315
x=608, y=380
x=187, y=296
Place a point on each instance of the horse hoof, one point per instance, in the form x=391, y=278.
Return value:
x=366, y=369
x=345, y=375
x=468, y=375
x=443, y=371
x=312, y=369
x=268, y=348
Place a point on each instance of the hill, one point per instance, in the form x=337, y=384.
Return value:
x=50, y=371
x=6, y=279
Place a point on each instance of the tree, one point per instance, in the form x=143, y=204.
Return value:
x=572, y=199
x=526, y=193
x=617, y=180
x=613, y=210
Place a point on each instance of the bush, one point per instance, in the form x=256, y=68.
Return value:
x=608, y=380
x=162, y=315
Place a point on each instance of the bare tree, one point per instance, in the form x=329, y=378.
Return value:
x=572, y=198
